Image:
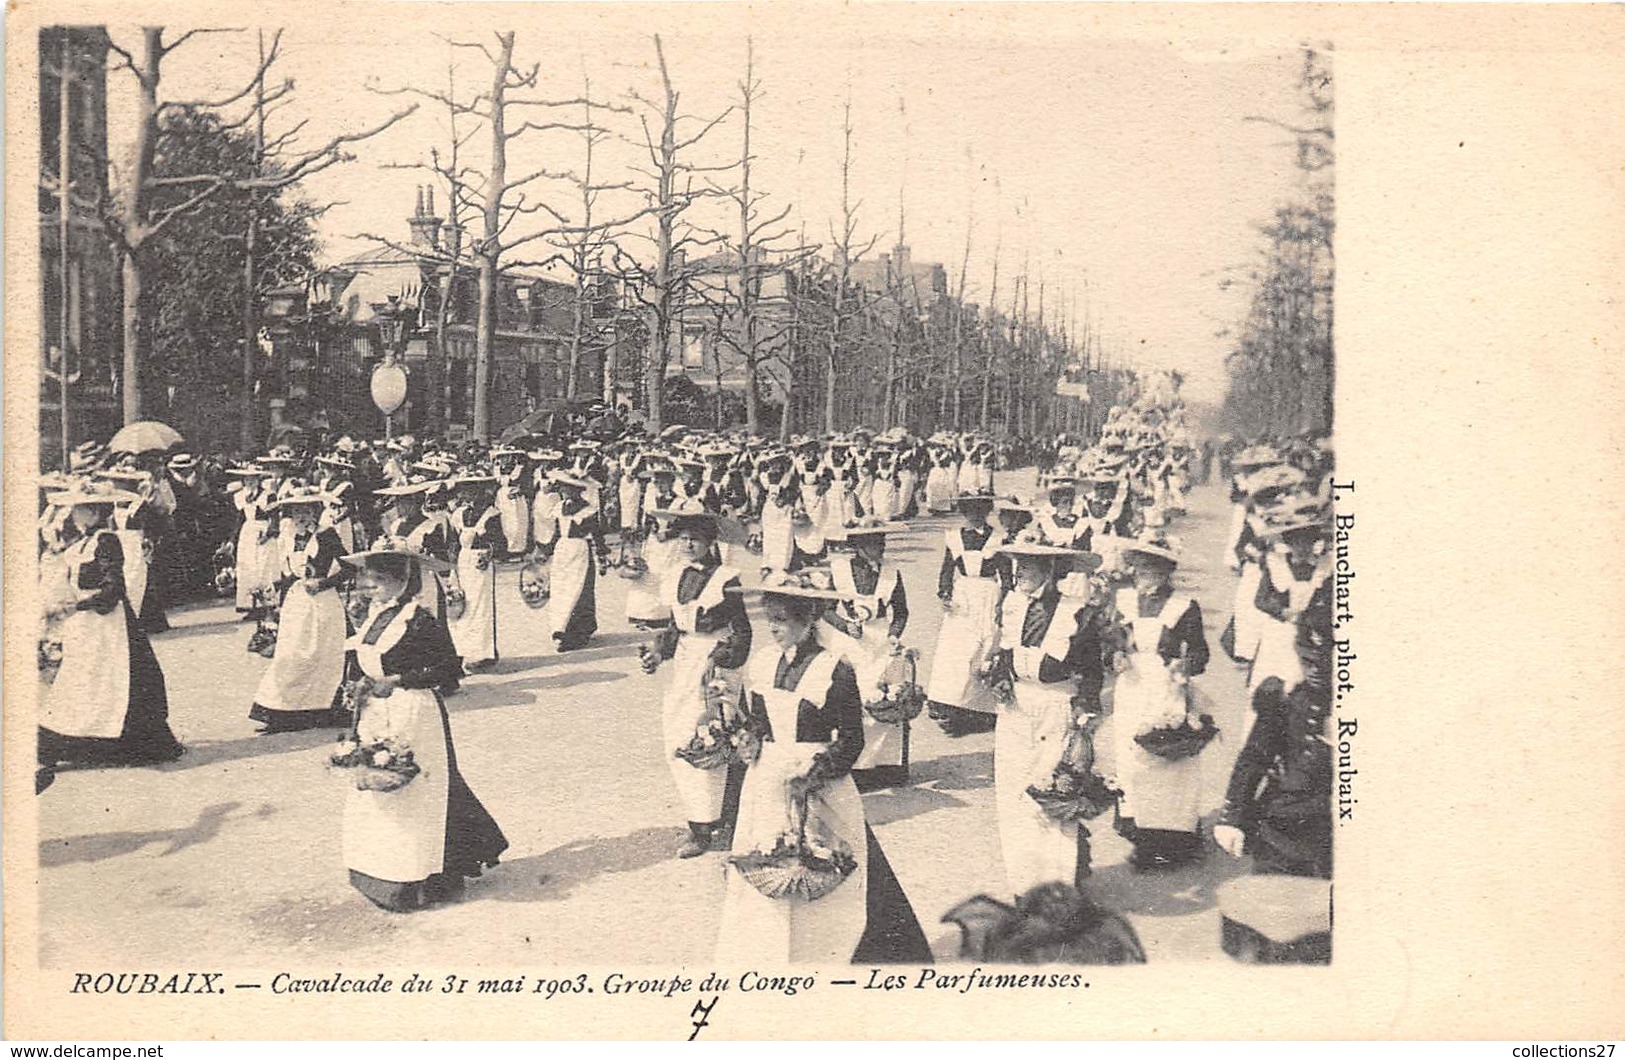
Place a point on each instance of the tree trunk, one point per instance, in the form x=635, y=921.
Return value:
x=491, y=246
x=249, y=434
x=132, y=337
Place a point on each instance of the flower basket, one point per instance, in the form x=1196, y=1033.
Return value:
x=262, y=641
x=1074, y=796
x=1176, y=742
x=456, y=603
x=50, y=658
x=225, y=581
x=797, y=866
x=633, y=568
x=534, y=585
x=382, y=766
x=902, y=697
x=718, y=743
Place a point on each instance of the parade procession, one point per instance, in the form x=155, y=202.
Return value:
x=645, y=554
x=811, y=626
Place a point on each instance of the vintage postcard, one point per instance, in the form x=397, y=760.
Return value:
x=813, y=521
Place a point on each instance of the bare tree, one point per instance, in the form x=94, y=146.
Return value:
x=676, y=183
x=848, y=301
x=131, y=215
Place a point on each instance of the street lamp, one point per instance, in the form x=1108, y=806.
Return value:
x=389, y=377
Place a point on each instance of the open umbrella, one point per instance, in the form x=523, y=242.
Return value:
x=145, y=436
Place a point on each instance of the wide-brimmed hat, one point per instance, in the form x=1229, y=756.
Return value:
x=809, y=583
x=559, y=478
x=864, y=528
x=122, y=473
x=1151, y=548
x=88, y=493
x=1036, y=549
x=182, y=462
x=407, y=489
x=247, y=471
x=1274, y=477
x=302, y=497
x=336, y=461
x=475, y=478
x=423, y=559
x=1255, y=456
x=975, y=498
x=676, y=430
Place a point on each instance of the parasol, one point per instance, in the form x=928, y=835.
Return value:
x=145, y=436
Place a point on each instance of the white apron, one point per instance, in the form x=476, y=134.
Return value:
x=630, y=492
x=545, y=517
x=699, y=790
x=758, y=931
x=884, y=499
x=1157, y=793
x=1248, y=618
x=91, y=694
x=475, y=634
x=778, y=534
x=869, y=655
x=1278, y=641
x=643, y=595
x=249, y=563
x=514, y=511
x=907, y=483
x=308, y=666
x=1027, y=746
x=572, y=559
x=399, y=836
x=968, y=630
x=939, y=488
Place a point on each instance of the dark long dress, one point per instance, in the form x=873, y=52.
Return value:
x=146, y=736
x=425, y=661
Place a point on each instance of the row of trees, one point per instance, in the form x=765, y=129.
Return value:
x=210, y=216
x=1281, y=369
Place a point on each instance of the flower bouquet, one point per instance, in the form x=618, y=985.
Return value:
x=1076, y=792
x=262, y=641
x=1177, y=736
x=50, y=657
x=385, y=765
x=634, y=567
x=534, y=586
x=456, y=603
x=718, y=741
x=901, y=695
x=802, y=863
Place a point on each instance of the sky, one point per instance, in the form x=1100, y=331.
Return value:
x=1114, y=166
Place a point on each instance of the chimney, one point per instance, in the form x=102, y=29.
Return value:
x=424, y=224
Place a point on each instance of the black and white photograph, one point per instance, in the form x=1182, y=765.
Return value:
x=606, y=493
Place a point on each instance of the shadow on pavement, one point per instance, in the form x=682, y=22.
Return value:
x=899, y=804
x=551, y=876
x=956, y=772
x=86, y=848
x=485, y=697
x=1156, y=894
x=208, y=752
x=599, y=646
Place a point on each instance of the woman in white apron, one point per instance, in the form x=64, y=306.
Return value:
x=779, y=494
x=807, y=700
x=1050, y=660
x=908, y=482
x=408, y=526
x=250, y=500
x=940, y=485
x=108, y=704
x=513, y=507
x=885, y=501
x=969, y=585
x=1294, y=569
x=1161, y=806
x=866, y=626
x=414, y=846
x=572, y=610
x=709, y=632
x=645, y=608
x=544, y=505
x=477, y=523
x=297, y=690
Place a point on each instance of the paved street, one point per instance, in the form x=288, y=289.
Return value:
x=231, y=856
